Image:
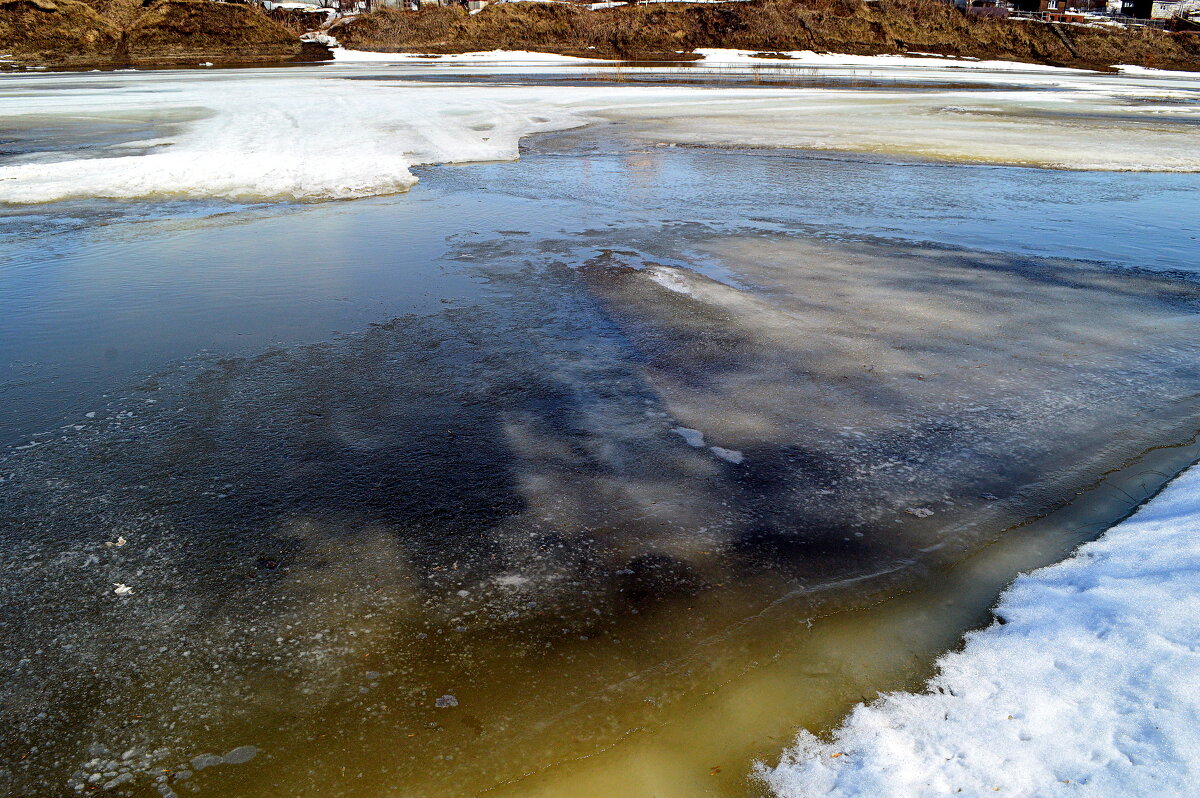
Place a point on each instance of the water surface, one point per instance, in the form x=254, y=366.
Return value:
x=529, y=477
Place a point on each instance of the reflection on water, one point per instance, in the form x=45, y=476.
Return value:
x=587, y=475
x=82, y=288
x=462, y=545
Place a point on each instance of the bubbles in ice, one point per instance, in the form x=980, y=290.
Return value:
x=206, y=761
x=445, y=701
x=511, y=580
x=240, y=755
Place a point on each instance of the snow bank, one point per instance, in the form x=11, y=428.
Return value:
x=306, y=139
x=918, y=60
x=488, y=57
x=1089, y=688
x=1132, y=69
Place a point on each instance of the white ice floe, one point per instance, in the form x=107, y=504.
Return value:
x=728, y=455
x=347, y=131
x=917, y=60
x=121, y=590
x=1087, y=688
x=694, y=437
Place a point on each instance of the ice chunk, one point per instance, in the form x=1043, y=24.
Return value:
x=728, y=455
x=694, y=437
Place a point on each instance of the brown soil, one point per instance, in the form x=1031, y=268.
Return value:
x=67, y=33
x=191, y=30
x=844, y=26
x=36, y=30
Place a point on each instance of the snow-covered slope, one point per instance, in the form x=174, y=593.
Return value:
x=1087, y=688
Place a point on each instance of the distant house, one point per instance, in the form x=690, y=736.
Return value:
x=1040, y=6
x=987, y=8
x=1165, y=9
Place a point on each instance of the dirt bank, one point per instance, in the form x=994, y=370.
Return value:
x=67, y=33
x=843, y=26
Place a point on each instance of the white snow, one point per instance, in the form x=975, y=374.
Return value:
x=318, y=134
x=668, y=279
x=918, y=60
x=1131, y=69
x=483, y=57
x=1089, y=688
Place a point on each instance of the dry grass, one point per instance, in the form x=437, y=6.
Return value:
x=37, y=27
x=199, y=27
x=99, y=32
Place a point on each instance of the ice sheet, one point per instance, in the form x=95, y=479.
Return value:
x=917, y=60
x=343, y=131
x=488, y=56
x=1086, y=686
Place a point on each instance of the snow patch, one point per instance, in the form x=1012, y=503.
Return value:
x=668, y=279
x=317, y=135
x=1088, y=687
x=482, y=57
x=920, y=60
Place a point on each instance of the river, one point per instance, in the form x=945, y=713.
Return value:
x=424, y=468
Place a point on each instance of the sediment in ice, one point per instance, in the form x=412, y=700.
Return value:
x=490, y=501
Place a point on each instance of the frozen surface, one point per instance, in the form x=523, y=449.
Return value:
x=494, y=501
x=1086, y=687
x=915, y=60
x=489, y=56
x=486, y=495
x=344, y=131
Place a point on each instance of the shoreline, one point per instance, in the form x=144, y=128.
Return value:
x=1053, y=694
x=723, y=727
x=666, y=32
x=173, y=33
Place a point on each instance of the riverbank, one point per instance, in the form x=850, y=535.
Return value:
x=113, y=33
x=1084, y=682
x=675, y=31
